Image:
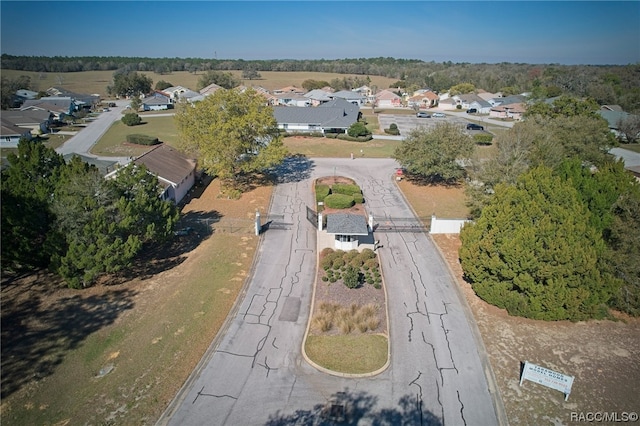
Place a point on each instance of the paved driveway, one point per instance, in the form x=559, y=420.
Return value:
x=255, y=374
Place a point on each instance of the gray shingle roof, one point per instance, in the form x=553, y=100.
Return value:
x=337, y=113
x=347, y=224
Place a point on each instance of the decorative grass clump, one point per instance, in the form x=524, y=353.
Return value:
x=346, y=318
x=339, y=201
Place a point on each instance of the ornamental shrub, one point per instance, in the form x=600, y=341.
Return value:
x=131, y=119
x=392, y=130
x=142, y=139
x=351, y=277
x=339, y=201
x=322, y=191
x=358, y=129
x=347, y=189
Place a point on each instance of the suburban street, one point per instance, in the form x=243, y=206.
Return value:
x=255, y=373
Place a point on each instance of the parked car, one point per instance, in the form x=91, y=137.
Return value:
x=474, y=126
x=422, y=115
x=472, y=111
x=439, y=114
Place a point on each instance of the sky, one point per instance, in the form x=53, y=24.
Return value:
x=536, y=32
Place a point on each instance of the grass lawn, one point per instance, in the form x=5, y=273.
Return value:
x=359, y=354
x=112, y=143
x=635, y=147
x=331, y=148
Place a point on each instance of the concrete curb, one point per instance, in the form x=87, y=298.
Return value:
x=306, y=332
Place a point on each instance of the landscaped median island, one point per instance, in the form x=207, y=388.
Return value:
x=348, y=328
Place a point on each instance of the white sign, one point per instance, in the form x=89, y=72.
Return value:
x=548, y=378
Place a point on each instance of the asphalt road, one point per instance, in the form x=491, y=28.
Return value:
x=255, y=374
x=82, y=141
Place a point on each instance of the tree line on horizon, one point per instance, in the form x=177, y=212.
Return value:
x=606, y=84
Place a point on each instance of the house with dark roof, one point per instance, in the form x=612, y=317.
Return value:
x=36, y=120
x=348, y=230
x=61, y=107
x=157, y=101
x=335, y=116
x=471, y=100
x=351, y=96
x=176, y=173
x=10, y=134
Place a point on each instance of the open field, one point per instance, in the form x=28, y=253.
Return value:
x=113, y=142
x=97, y=81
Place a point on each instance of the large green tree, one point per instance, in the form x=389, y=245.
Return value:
x=105, y=223
x=436, y=153
x=534, y=252
x=232, y=133
x=129, y=84
x=222, y=79
x=28, y=184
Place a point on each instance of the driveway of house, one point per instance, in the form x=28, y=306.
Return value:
x=254, y=373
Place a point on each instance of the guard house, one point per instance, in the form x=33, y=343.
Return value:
x=348, y=230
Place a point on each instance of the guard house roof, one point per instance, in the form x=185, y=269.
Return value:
x=347, y=224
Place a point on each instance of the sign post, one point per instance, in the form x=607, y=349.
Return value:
x=548, y=378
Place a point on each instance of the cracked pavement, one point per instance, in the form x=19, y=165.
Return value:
x=255, y=374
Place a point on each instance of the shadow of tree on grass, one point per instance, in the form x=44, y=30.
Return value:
x=36, y=336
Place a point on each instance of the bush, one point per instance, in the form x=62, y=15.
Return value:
x=131, y=119
x=351, y=277
x=321, y=192
x=139, y=139
x=331, y=135
x=358, y=198
x=339, y=201
x=343, y=188
x=358, y=129
x=345, y=137
x=483, y=139
x=392, y=130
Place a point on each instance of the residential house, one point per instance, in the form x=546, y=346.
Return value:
x=35, y=120
x=507, y=100
x=174, y=92
x=289, y=90
x=157, y=101
x=176, y=173
x=60, y=107
x=291, y=99
x=365, y=91
x=104, y=166
x=318, y=96
x=424, y=100
x=614, y=116
x=81, y=100
x=351, y=96
x=10, y=134
x=508, y=112
x=210, y=89
x=488, y=96
x=387, y=99
x=335, y=116
x=471, y=100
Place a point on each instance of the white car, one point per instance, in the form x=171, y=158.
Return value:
x=438, y=114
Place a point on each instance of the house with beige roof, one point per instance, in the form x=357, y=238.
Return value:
x=387, y=99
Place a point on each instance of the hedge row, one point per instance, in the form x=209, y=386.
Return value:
x=322, y=191
x=339, y=201
x=142, y=139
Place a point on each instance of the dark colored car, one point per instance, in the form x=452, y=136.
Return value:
x=473, y=126
x=472, y=111
x=422, y=115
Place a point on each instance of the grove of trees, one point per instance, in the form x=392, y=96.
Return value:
x=69, y=218
x=606, y=84
x=233, y=134
x=556, y=233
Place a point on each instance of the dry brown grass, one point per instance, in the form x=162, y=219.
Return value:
x=363, y=318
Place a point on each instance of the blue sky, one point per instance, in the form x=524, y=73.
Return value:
x=565, y=32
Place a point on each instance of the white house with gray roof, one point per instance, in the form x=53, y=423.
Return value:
x=347, y=229
x=351, y=96
x=335, y=116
